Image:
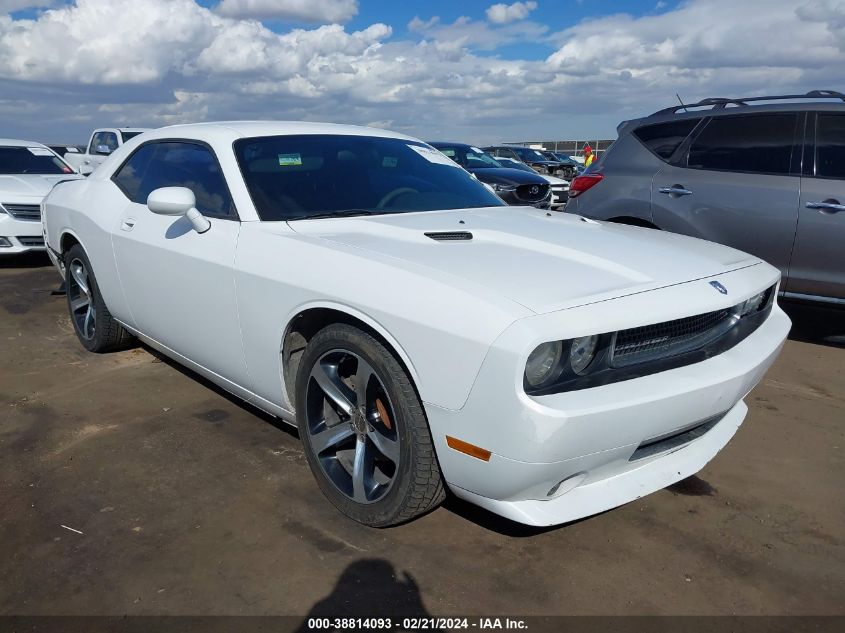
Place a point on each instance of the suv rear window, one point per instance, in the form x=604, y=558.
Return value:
x=759, y=143
x=664, y=138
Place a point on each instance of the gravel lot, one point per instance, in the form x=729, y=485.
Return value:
x=191, y=503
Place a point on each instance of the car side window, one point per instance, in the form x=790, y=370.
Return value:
x=103, y=139
x=95, y=140
x=110, y=140
x=664, y=138
x=177, y=164
x=759, y=143
x=830, y=146
x=130, y=175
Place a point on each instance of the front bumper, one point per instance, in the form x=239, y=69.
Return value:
x=21, y=235
x=565, y=456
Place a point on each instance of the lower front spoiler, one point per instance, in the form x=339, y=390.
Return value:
x=603, y=494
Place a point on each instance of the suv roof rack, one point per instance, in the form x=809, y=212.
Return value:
x=719, y=103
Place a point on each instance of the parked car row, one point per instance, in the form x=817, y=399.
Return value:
x=514, y=186
x=768, y=179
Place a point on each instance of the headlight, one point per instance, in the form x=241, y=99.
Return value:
x=752, y=305
x=503, y=188
x=543, y=363
x=582, y=353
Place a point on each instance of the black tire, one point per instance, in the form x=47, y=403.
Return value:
x=94, y=325
x=415, y=485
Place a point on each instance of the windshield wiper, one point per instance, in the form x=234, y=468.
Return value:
x=341, y=213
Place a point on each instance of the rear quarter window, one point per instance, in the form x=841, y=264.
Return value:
x=664, y=138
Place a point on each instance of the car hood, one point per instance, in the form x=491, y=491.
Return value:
x=554, y=180
x=31, y=185
x=544, y=262
x=507, y=176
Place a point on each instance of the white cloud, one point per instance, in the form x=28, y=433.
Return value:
x=505, y=13
x=166, y=61
x=476, y=35
x=318, y=11
x=7, y=6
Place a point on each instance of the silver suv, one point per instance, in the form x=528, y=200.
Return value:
x=768, y=179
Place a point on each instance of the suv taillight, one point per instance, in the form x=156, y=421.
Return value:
x=580, y=184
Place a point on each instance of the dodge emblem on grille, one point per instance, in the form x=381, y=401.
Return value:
x=719, y=287
x=535, y=189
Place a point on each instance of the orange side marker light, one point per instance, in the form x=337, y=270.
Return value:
x=468, y=449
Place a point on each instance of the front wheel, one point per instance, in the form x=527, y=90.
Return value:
x=94, y=325
x=364, y=431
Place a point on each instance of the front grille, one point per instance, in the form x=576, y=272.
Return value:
x=661, y=340
x=31, y=240
x=31, y=212
x=528, y=193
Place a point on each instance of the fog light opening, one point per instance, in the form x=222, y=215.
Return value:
x=5, y=243
x=565, y=485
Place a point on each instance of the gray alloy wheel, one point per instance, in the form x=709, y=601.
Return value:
x=364, y=429
x=94, y=325
x=350, y=425
x=82, y=308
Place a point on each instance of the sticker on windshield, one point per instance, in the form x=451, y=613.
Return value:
x=389, y=161
x=289, y=160
x=476, y=150
x=433, y=156
x=40, y=151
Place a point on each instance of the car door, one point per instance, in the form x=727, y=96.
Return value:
x=179, y=285
x=817, y=268
x=735, y=182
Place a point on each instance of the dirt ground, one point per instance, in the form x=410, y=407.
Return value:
x=191, y=503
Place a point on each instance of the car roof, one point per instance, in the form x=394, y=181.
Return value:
x=220, y=130
x=14, y=142
x=700, y=110
x=436, y=143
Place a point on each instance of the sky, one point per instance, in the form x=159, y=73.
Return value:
x=473, y=70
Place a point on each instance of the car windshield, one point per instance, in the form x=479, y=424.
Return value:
x=31, y=160
x=468, y=156
x=127, y=135
x=298, y=177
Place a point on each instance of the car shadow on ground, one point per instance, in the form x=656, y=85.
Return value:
x=816, y=324
x=37, y=259
x=235, y=400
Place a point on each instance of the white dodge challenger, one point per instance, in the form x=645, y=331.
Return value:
x=420, y=333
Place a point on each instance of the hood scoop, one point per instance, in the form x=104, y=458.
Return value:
x=450, y=236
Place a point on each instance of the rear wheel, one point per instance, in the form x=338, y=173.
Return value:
x=363, y=428
x=94, y=325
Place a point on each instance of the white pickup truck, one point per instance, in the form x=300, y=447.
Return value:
x=102, y=143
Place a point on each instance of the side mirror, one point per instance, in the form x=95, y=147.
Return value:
x=105, y=150
x=176, y=201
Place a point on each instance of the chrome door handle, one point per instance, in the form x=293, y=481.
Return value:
x=675, y=190
x=128, y=224
x=826, y=205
